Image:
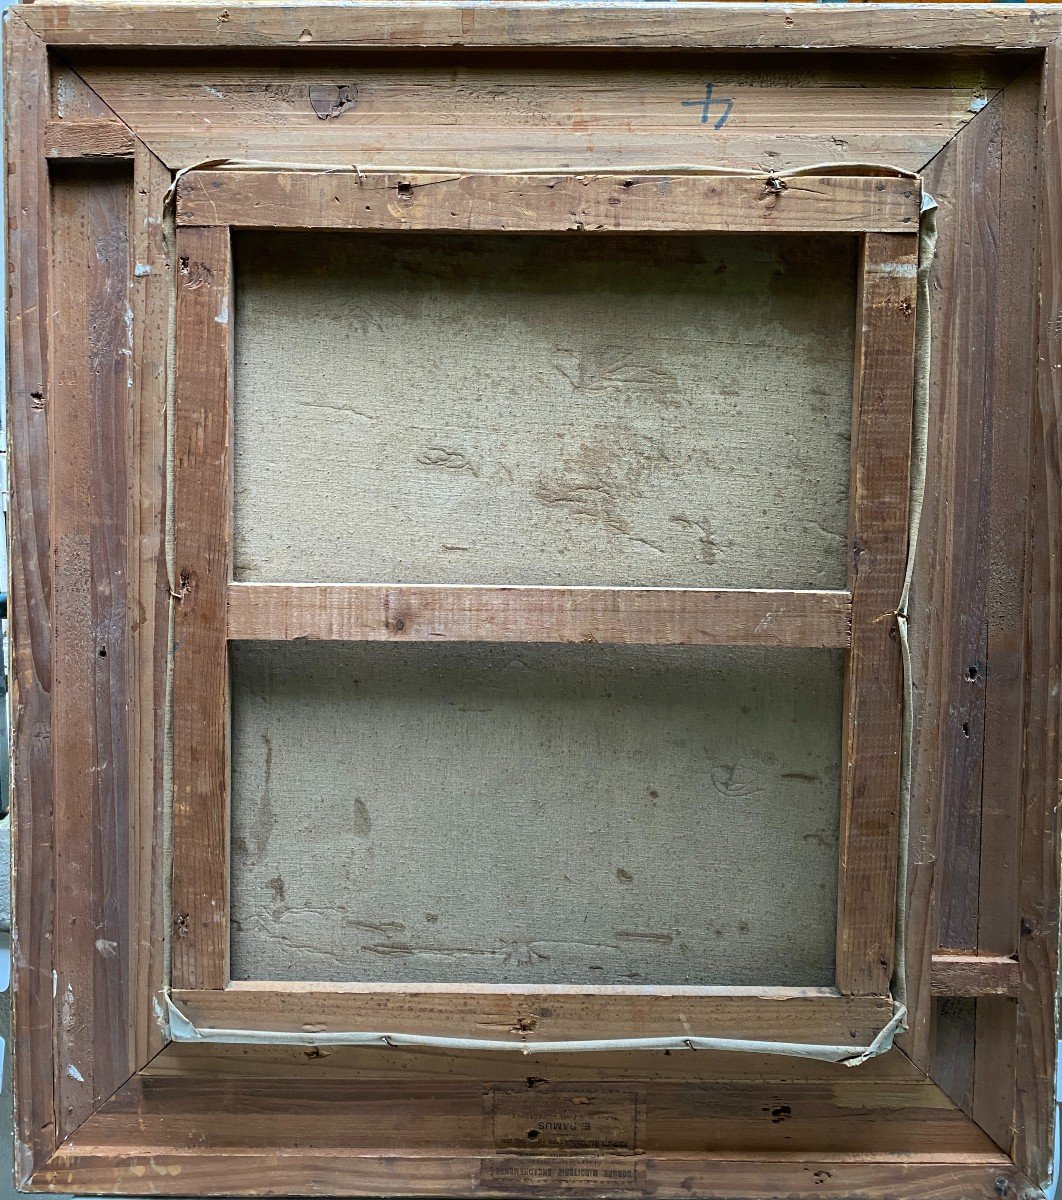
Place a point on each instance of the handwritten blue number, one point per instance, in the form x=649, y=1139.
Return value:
x=705, y=106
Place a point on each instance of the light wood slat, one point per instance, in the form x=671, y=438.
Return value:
x=629, y=114
x=151, y=297
x=425, y=613
x=975, y=975
x=93, y=139
x=203, y=557
x=881, y=460
x=643, y=26
x=562, y=1013
x=554, y=203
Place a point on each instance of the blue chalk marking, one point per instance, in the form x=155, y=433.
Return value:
x=705, y=106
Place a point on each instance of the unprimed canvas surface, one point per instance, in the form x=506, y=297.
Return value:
x=596, y=409
x=535, y=814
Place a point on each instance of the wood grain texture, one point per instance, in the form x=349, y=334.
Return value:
x=1039, y=855
x=881, y=453
x=89, y=413
x=151, y=299
x=841, y=1117
x=352, y=1063
x=583, y=110
x=947, y=605
x=690, y=26
x=954, y=1045
x=967, y=376
x=651, y=616
x=967, y=265
x=975, y=975
x=91, y=139
x=216, y=1135
x=1013, y=390
x=905, y=1177
x=518, y=203
x=28, y=215
x=525, y=1013
x=72, y=99
x=203, y=555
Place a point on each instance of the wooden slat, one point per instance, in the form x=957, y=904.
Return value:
x=1013, y=390
x=950, y=623
x=839, y=1135
x=843, y=1118
x=966, y=267
x=881, y=449
x=91, y=271
x=101, y=1167
x=28, y=216
x=518, y=203
x=585, y=111
x=1038, y=864
x=949, y=592
x=523, y=1013
x=975, y=975
x=691, y=26
x=203, y=555
x=151, y=297
x=93, y=139
x=660, y=616
x=215, y=1060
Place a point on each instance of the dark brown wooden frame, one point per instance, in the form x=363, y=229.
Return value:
x=103, y=1103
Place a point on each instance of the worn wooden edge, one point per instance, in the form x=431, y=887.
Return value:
x=28, y=241
x=88, y=140
x=975, y=975
x=428, y=613
x=689, y=26
x=91, y=381
x=529, y=1014
x=1039, y=862
x=46, y=1060
x=1010, y=421
x=549, y=203
x=203, y=566
x=102, y=1161
x=870, y=764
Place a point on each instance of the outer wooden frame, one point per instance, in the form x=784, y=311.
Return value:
x=103, y=1104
